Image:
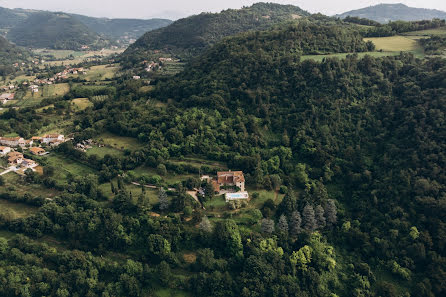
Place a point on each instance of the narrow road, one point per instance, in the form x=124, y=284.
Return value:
x=12, y=168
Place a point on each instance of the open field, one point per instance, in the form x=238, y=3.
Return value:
x=151, y=194
x=67, y=57
x=438, y=31
x=170, y=178
x=397, y=44
x=15, y=184
x=170, y=293
x=119, y=142
x=64, y=167
x=81, y=103
x=12, y=210
x=102, y=151
x=101, y=72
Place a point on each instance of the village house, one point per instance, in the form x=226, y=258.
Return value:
x=4, y=150
x=12, y=141
x=15, y=158
x=28, y=163
x=38, y=151
x=136, y=77
x=231, y=178
x=53, y=138
x=5, y=97
x=36, y=139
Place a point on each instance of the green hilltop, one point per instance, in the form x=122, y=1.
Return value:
x=191, y=36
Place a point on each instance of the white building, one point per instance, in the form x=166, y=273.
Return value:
x=12, y=141
x=53, y=138
x=4, y=150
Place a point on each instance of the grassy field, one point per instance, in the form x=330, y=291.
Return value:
x=119, y=142
x=63, y=167
x=170, y=293
x=81, y=103
x=13, y=211
x=101, y=72
x=77, y=56
x=150, y=194
x=437, y=31
x=102, y=151
x=397, y=44
x=170, y=178
x=15, y=184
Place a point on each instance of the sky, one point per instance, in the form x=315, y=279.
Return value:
x=174, y=9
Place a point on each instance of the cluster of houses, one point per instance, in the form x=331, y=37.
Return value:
x=57, y=77
x=230, y=183
x=153, y=66
x=16, y=159
x=49, y=139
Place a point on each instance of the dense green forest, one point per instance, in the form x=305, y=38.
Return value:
x=54, y=30
x=118, y=28
x=434, y=45
x=191, y=36
x=9, y=55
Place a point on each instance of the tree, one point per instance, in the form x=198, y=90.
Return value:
x=2, y=181
x=295, y=223
x=267, y=226
x=330, y=212
x=161, y=169
x=308, y=218
x=319, y=216
x=158, y=245
x=112, y=186
x=282, y=225
x=164, y=202
x=227, y=237
x=288, y=204
x=205, y=225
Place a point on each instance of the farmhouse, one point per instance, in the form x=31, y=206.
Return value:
x=7, y=96
x=4, y=150
x=12, y=141
x=53, y=138
x=28, y=163
x=38, y=151
x=231, y=178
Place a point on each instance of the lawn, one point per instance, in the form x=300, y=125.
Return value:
x=80, y=104
x=63, y=167
x=13, y=211
x=170, y=293
x=102, y=151
x=119, y=142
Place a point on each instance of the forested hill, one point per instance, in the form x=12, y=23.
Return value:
x=192, y=35
x=122, y=28
x=10, y=54
x=54, y=30
x=10, y=18
x=248, y=59
x=384, y=13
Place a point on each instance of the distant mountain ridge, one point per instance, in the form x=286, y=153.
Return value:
x=384, y=13
x=123, y=30
x=192, y=35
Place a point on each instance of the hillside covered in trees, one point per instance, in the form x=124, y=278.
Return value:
x=384, y=13
x=10, y=54
x=191, y=36
x=54, y=30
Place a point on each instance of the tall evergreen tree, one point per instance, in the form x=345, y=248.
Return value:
x=295, y=223
x=308, y=218
x=164, y=202
x=331, y=212
x=282, y=225
x=320, y=218
x=267, y=226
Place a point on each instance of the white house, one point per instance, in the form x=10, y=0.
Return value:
x=53, y=138
x=4, y=150
x=12, y=141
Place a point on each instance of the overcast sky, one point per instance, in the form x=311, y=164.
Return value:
x=174, y=9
